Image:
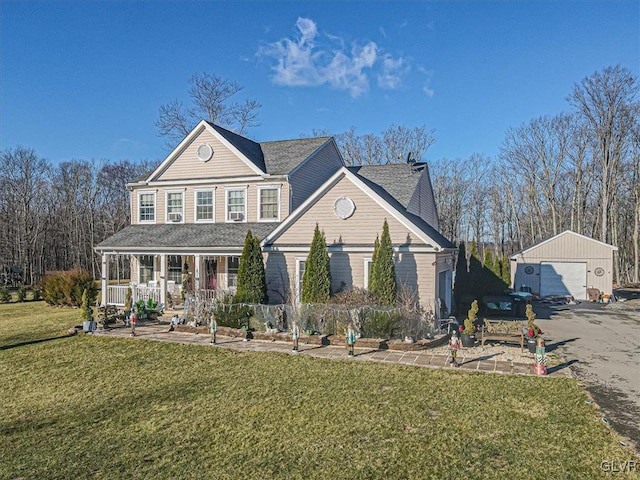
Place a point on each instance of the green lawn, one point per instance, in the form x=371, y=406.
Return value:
x=105, y=408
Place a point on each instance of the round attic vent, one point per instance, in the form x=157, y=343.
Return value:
x=344, y=207
x=205, y=152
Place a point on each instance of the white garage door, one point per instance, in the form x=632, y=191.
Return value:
x=563, y=278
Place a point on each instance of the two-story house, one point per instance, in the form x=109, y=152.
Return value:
x=197, y=206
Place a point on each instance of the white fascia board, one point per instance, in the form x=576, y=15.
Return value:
x=366, y=189
x=222, y=251
x=197, y=130
x=566, y=232
x=178, y=150
x=354, y=249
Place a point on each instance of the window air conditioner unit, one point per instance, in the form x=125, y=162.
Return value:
x=175, y=217
x=236, y=216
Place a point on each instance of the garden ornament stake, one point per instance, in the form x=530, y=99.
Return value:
x=134, y=320
x=540, y=365
x=454, y=346
x=295, y=335
x=214, y=328
x=351, y=338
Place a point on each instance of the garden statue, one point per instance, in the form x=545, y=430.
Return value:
x=351, y=338
x=540, y=362
x=295, y=334
x=214, y=328
x=454, y=346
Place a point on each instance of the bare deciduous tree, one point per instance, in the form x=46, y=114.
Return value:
x=212, y=99
x=605, y=101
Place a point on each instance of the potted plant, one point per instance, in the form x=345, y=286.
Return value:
x=532, y=331
x=140, y=309
x=468, y=331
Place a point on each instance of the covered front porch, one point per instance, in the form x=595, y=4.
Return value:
x=162, y=277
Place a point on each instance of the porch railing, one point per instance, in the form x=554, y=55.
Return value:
x=116, y=294
x=143, y=292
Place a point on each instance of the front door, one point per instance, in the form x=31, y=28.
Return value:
x=211, y=273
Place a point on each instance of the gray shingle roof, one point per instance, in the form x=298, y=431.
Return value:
x=282, y=156
x=398, y=180
x=277, y=157
x=188, y=235
x=396, y=183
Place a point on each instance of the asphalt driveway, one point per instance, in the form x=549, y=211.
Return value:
x=602, y=345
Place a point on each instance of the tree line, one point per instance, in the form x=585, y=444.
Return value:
x=51, y=216
x=577, y=170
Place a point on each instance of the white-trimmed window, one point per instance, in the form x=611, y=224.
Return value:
x=175, y=206
x=174, y=269
x=236, y=204
x=233, y=263
x=368, y=262
x=301, y=263
x=147, y=207
x=145, y=269
x=205, y=205
x=269, y=203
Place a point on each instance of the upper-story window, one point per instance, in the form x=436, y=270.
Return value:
x=269, y=204
x=236, y=204
x=147, y=207
x=205, y=206
x=175, y=206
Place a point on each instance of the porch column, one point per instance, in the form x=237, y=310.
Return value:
x=196, y=272
x=105, y=278
x=163, y=278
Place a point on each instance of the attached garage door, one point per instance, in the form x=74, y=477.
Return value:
x=563, y=278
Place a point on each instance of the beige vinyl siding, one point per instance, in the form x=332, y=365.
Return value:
x=219, y=194
x=223, y=164
x=359, y=229
x=413, y=270
x=316, y=170
x=568, y=248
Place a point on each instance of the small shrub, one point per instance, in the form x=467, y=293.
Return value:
x=381, y=324
x=22, y=293
x=231, y=314
x=354, y=297
x=470, y=321
x=37, y=294
x=151, y=303
x=5, y=295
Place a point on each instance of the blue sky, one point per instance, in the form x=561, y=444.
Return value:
x=85, y=80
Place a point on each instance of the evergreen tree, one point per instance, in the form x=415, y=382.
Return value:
x=505, y=270
x=252, y=285
x=376, y=249
x=316, y=281
x=383, y=270
x=488, y=259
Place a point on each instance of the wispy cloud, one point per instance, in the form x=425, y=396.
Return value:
x=426, y=83
x=311, y=59
x=393, y=71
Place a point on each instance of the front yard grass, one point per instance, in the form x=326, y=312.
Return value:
x=108, y=408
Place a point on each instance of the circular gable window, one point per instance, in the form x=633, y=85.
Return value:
x=344, y=207
x=205, y=152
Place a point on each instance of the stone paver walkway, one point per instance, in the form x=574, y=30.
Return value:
x=423, y=358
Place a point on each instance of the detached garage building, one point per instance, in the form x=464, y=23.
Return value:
x=566, y=264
